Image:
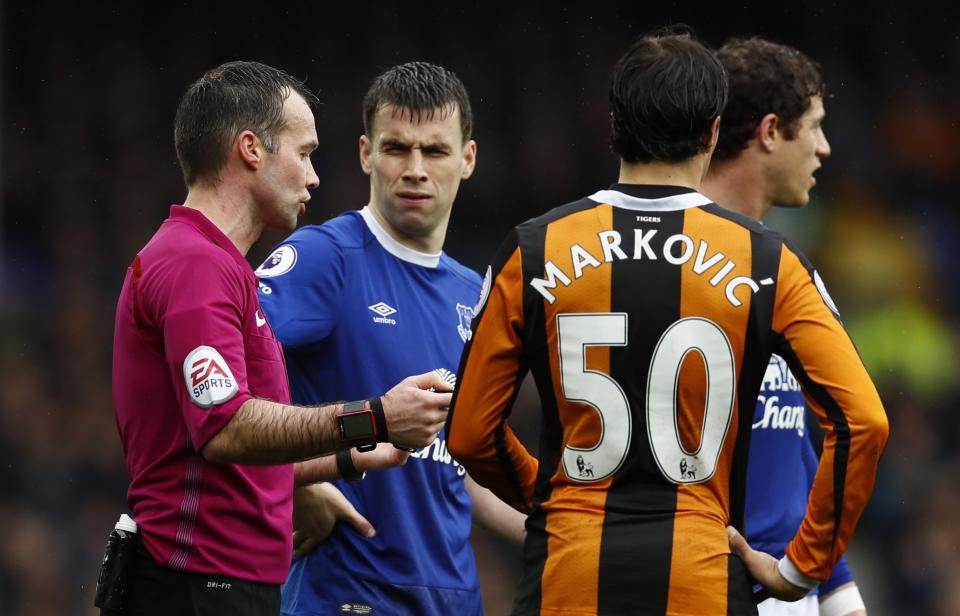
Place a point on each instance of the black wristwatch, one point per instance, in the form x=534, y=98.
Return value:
x=345, y=467
x=361, y=426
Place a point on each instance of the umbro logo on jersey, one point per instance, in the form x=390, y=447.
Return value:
x=384, y=311
x=356, y=608
x=208, y=377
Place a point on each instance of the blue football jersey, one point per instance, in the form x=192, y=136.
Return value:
x=780, y=468
x=357, y=312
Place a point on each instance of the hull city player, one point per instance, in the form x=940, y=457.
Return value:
x=647, y=315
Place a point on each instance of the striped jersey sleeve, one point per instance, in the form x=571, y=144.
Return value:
x=809, y=335
x=495, y=370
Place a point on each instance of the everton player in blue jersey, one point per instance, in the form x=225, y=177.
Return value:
x=771, y=142
x=356, y=301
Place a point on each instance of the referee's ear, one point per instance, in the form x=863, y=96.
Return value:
x=250, y=149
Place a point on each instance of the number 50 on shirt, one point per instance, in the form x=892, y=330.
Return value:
x=578, y=331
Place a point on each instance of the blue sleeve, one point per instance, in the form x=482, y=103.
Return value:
x=301, y=284
x=841, y=575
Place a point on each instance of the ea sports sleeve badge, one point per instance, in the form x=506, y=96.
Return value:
x=208, y=378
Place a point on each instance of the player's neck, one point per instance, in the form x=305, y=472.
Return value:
x=427, y=244
x=687, y=173
x=734, y=185
x=229, y=212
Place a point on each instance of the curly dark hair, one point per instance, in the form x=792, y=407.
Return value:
x=665, y=92
x=421, y=88
x=765, y=77
x=224, y=102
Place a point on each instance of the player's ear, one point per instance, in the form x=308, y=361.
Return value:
x=250, y=149
x=366, y=151
x=469, y=159
x=713, y=136
x=768, y=132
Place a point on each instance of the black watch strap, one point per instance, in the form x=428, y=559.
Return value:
x=380, y=419
x=347, y=471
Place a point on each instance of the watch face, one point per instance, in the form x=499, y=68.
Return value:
x=357, y=425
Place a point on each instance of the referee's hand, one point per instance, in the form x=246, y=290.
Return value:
x=763, y=568
x=416, y=409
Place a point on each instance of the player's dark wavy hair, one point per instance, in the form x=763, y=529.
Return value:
x=765, y=77
x=665, y=92
x=226, y=101
x=422, y=89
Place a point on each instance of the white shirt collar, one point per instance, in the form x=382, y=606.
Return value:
x=665, y=204
x=396, y=248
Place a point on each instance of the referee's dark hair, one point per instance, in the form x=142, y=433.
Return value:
x=665, y=93
x=226, y=101
x=765, y=77
x=422, y=90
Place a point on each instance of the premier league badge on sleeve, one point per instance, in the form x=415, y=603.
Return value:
x=208, y=378
x=278, y=263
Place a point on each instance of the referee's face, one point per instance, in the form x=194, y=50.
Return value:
x=415, y=163
x=287, y=175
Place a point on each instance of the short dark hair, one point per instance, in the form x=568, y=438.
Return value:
x=226, y=101
x=421, y=88
x=665, y=92
x=765, y=77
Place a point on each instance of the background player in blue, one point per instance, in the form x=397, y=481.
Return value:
x=354, y=301
x=771, y=142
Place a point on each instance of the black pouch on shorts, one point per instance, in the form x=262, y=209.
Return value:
x=119, y=560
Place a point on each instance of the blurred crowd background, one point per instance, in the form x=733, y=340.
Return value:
x=88, y=172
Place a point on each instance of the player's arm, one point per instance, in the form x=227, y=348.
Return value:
x=301, y=287
x=764, y=568
x=326, y=468
x=838, y=389
x=490, y=374
x=494, y=515
x=841, y=590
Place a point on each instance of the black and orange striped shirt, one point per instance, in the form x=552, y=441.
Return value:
x=647, y=315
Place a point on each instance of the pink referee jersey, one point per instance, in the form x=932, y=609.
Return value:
x=191, y=344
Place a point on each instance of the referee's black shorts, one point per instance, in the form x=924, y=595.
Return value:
x=158, y=591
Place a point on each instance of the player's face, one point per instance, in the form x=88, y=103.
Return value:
x=415, y=168
x=288, y=173
x=798, y=158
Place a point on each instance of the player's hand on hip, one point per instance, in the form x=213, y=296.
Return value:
x=316, y=509
x=384, y=456
x=763, y=568
x=415, y=414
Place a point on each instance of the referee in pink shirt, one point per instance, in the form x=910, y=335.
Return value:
x=199, y=381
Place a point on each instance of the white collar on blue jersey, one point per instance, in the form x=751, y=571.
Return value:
x=393, y=246
x=664, y=204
